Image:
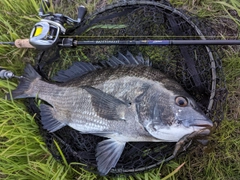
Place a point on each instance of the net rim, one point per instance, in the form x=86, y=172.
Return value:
x=187, y=18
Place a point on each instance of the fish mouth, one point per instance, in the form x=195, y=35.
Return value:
x=199, y=123
x=202, y=123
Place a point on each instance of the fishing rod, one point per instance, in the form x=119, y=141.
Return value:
x=50, y=31
x=69, y=42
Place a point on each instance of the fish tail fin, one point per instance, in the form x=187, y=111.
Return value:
x=30, y=74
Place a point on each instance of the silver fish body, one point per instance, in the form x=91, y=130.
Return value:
x=124, y=103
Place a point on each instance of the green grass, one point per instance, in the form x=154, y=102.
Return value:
x=23, y=154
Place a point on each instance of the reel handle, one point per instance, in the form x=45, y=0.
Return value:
x=81, y=12
x=43, y=6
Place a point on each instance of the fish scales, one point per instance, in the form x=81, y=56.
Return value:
x=124, y=103
x=126, y=84
x=69, y=102
x=82, y=112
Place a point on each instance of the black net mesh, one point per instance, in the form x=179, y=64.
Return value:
x=197, y=67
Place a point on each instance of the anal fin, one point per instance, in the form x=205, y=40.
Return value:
x=108, y=152
x=48, y=120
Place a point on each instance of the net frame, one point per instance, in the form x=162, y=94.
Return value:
x=53, y=56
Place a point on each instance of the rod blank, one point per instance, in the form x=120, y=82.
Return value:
x=205, y=42
x=160, y=42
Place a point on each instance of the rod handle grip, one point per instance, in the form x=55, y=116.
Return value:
x=23, y=43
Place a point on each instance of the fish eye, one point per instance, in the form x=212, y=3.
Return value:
x=181, y=101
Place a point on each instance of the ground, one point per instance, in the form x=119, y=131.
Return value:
x=23, y=154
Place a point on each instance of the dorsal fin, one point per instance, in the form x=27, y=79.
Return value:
x=127, y=59
x=76, y=70
x=80, y=68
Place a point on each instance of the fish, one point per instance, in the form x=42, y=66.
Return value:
x=123, y=99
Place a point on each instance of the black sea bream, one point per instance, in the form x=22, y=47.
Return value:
x=126, y=101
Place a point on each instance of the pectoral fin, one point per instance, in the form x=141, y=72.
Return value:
x=106, y=105
x=108, y=152
x=48, y=120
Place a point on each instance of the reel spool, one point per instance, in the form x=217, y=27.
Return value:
x=197, y=67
